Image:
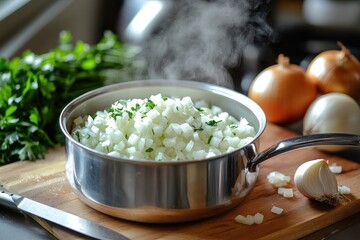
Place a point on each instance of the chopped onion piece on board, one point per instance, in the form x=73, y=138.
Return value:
x=281, y=190
x=258, y=218
x=276, y=210
x=286, y=192
x=250, y=219
x=344, y=189
x=240, y=219
x=334, y=168
x=278, y=179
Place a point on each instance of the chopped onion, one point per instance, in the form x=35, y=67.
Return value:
x=240, y=219
x=258, y=218
x=250, y=219
x=344, y=189
x=276, y=210
x=278, y=179
x=334, y=168
x=78, y=121
x=162, y=129
x=286, y=192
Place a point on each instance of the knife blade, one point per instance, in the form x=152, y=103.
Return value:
x=59, y=217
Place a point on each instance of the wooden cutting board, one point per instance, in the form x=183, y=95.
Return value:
x=45, y=181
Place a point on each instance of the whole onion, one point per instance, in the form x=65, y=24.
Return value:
x=336, y=71
x=332, y=113
x=283, y=91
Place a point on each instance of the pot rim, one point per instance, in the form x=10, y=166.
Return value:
x=226, y=92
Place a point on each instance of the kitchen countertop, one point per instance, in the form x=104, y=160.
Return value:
x=17, y=226
x=348, y=228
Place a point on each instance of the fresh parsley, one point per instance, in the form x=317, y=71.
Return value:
x=212, y=123
x=34, y=89
x=150, y=104
x=149, y=150
x=209, y=139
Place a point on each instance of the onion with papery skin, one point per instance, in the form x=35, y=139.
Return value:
x=332, y=113
x=336, y=71
x=283, y=91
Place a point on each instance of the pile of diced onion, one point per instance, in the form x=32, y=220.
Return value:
x=280, y=181
x=161, y=128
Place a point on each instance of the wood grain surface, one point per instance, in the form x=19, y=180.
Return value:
x=45, y=181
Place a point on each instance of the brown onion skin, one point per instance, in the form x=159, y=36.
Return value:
x=336, y=71
x=283, y=91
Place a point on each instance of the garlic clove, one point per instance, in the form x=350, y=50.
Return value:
x=315, y=181
x=328, y=180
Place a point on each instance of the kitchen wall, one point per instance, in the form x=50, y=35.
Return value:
x=36, y=25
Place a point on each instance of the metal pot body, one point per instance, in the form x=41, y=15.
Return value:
x=161, y=192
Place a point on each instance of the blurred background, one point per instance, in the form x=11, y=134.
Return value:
x=258, y=30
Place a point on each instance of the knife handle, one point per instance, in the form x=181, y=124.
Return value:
x=9, y=199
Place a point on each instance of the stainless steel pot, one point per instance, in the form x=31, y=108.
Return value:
x=172, y=191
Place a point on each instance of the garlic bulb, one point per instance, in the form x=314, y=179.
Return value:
x=315, y=180
x=332, y=113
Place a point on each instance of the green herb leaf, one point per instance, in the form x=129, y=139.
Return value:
x=212, y=123
x=34, y=116
x=150, y=104
x=148, y=150
x=137, y=107
x=198, y=128
x=209, y=139
x=10, y=110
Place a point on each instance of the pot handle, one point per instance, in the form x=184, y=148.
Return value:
x=302, y=142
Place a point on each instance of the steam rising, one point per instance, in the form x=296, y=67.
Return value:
x=205, y=38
